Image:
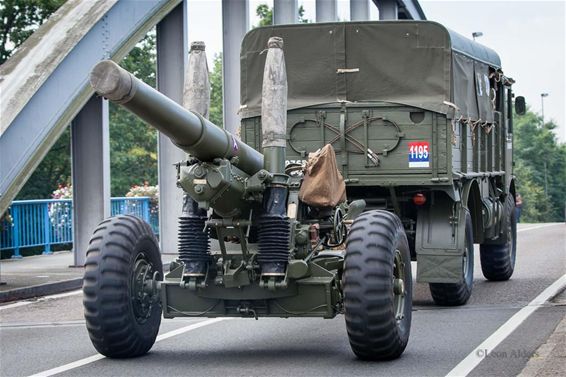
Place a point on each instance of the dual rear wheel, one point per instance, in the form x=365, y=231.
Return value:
x=497, y=260
x=453, y=294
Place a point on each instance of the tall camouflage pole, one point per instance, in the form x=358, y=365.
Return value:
x=194, y=244
x=196, y=93
x=273, y=233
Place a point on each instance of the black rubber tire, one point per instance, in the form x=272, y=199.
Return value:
x=454, y=294
x=498, y=260
x=369, y=300
x=116, y=246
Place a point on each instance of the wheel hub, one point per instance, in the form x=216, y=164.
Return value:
x=143, y=288
x=399, y=291
x=399, y=286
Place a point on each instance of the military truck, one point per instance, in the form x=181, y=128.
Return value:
x=382, y=143
x=421, y=121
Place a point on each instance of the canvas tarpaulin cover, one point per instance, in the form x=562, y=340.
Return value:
x=406, y=62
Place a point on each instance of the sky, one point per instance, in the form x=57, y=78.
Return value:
x=529, y=36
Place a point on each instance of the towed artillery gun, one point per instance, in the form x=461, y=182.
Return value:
x=276, y=257
x=421, y=121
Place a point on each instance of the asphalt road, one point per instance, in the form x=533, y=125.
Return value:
x=38, y=337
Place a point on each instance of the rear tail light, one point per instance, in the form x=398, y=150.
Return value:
x=419, y=199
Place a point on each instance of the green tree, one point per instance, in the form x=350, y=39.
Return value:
x=540, y=167
x=19, y=19
x=216, y=104
x=54, y=170
x=133, y=144
x=265, y=14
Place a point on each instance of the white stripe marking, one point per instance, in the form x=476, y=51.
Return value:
x=537, y=227
x=482, y=351
x=44, y=298
x=92, y=359
x=73, y=365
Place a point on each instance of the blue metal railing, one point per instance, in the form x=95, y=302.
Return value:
x=29, y=223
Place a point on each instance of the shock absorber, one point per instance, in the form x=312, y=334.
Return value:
x=194, y=240
x=274, y=233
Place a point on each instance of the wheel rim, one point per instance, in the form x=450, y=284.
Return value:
x=399, y=291
x=466, y=263
x=511, y=242
x=141, y=293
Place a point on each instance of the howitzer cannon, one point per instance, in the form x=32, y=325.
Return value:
x=186, y=129
x=280, y=233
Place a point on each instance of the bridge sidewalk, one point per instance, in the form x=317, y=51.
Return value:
x=42, y=275
x=550, y=358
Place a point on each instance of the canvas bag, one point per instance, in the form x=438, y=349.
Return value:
x=323, y=185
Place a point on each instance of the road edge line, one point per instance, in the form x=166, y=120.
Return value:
x=93, y=358
x=479, y=353
x=41, y=299
x=538, y=227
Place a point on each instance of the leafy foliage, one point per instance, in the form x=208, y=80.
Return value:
x=216, y=104
x=19, y=19
x=54, y=170
x=265, y=14
x=133, y=144
x=540, y=167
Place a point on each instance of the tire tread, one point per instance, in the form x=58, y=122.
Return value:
x=370, y=318
x=109, y=317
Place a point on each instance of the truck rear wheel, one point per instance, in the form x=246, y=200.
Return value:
x=498, y=260
x=121, y=303
x=377, y=286
x=453, y=294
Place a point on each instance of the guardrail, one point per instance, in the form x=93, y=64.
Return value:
x=34, y=223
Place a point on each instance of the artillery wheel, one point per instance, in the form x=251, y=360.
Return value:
x=498, y=260
x=378, y=286
x=453, y=294
x=121, y=301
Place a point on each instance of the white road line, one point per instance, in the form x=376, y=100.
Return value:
x=40, y=299
x=39, y=325
x=92, y=359
x=538, y=227
x=482, y=351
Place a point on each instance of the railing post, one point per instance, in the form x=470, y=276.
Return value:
x=16, y=239
x=145, y=210
x=46, y=230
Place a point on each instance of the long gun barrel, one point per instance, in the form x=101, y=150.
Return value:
x=188, y=130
